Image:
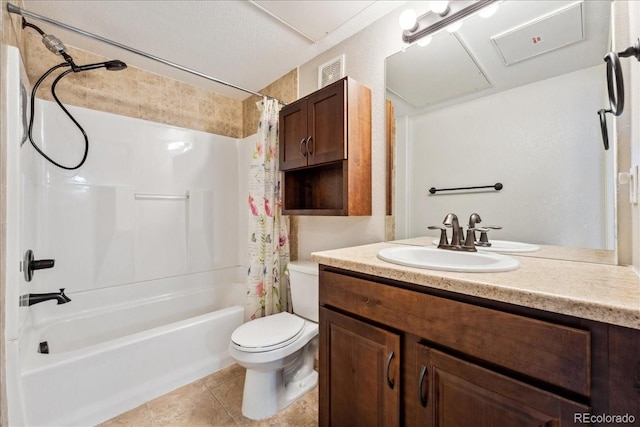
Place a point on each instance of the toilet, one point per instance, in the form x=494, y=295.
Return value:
x=278, y=351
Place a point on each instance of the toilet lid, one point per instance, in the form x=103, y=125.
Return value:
x=268, y=333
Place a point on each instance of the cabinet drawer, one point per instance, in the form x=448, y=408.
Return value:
x=544, y=351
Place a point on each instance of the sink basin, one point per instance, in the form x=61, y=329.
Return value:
x=504, y=246
x=446, y=260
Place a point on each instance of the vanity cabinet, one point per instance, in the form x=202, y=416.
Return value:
x=325, y=151
x=365, y=371
x=455, y=392
x=464, y=361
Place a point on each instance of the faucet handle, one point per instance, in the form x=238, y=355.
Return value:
x=469, y=243
x=484, y=240
x=483, y=234
x=443, y=234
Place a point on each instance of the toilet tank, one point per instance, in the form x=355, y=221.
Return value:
x=303, y=279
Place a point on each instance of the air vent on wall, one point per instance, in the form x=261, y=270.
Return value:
x=331, y=71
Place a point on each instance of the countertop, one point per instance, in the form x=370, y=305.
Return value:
x=589, y=290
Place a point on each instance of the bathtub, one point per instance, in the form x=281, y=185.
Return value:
x=105, y=359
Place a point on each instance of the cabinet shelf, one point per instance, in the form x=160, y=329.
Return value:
x=316, y=190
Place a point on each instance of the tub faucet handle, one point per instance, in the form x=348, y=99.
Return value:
x=29, y=264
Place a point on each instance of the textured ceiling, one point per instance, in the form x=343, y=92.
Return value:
x=235, y=41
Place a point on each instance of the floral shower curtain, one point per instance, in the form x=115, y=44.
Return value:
x=268, y=286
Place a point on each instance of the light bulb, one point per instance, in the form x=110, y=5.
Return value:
x=488, y=11
x=452, y=28
x=439, y=6
x=425, y=41
x=408, y=19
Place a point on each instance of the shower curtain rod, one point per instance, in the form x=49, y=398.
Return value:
x=11, y=8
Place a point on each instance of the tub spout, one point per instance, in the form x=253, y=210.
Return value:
x=30, y=299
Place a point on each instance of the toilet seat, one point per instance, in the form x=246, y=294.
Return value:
x=268, y=333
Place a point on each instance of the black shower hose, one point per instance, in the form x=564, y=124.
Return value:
x=55, y=97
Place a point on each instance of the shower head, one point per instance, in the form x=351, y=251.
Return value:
x=114, y=65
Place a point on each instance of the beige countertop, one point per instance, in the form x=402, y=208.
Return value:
x=595, y=291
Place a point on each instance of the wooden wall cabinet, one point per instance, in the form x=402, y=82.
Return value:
x=325, y=151
x=464, y=361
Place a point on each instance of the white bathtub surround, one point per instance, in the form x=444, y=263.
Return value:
x=107, y=359
x=268, y=230
x=103, y=315
x=100, y=233
x=145, y=241
x=15, y=94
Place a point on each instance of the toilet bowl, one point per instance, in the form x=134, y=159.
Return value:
x=278, y=351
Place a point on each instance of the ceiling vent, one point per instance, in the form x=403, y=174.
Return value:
x=331, y=71
x=558, y=29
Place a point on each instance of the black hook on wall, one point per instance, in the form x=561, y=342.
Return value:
x=615, y=87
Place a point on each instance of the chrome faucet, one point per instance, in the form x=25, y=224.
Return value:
x=460, y=241
x=474, y=219
x=31, y=299
x=451, y=221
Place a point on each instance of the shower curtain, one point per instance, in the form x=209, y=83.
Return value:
x=268, y=286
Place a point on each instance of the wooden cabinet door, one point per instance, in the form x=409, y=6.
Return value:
x=359, y=373
x=293, y=135
x=326, y=116
x=455, y=393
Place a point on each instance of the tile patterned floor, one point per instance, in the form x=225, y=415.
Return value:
x=214, y=401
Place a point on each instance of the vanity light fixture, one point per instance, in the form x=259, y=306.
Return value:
x=443, y=14
x=425, y=41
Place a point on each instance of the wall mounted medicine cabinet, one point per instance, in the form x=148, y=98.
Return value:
x=325, y=151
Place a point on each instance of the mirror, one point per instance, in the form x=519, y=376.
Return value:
x=509, y=99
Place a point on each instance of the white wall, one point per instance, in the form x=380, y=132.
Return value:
x=552, y=170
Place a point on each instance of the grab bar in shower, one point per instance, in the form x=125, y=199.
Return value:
x=140, y=196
